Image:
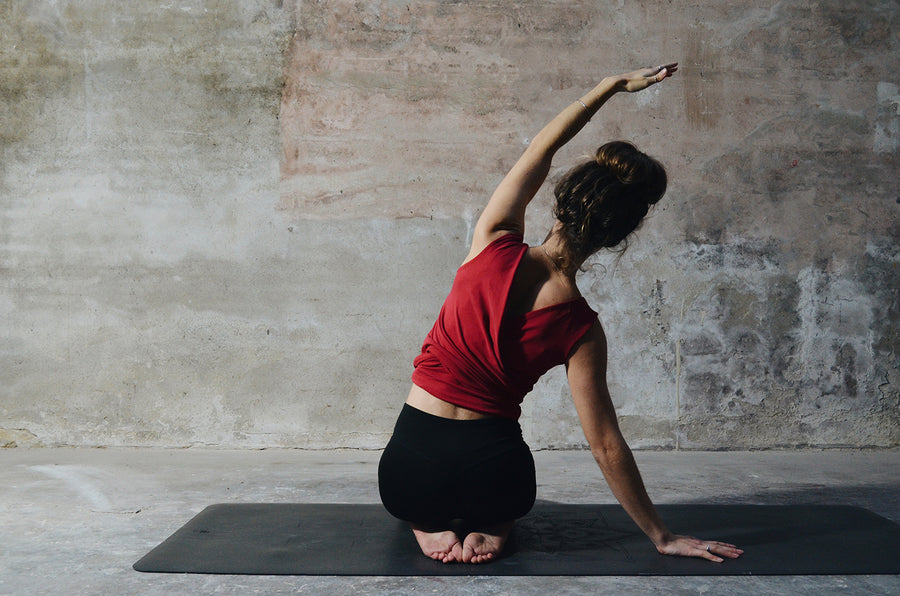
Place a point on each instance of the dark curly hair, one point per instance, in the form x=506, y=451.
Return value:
x=600, y=202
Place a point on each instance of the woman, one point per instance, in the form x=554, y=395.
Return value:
x=456, y=467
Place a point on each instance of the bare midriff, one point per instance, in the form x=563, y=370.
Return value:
x=424, y=401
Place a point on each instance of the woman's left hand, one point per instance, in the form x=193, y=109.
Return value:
x=645, y=77
x=688, y=546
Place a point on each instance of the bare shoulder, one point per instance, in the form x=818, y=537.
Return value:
x=482, y=240
x=591, y=348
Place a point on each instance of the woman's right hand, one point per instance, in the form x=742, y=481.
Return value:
x=645, y=77
x=688, y=546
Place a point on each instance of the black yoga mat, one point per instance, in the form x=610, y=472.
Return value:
x=554, y=539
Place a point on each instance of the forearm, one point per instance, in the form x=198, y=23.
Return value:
x=621, y=473
x=574, y=117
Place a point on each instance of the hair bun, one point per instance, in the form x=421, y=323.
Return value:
x=600, y=202
x=633, y=168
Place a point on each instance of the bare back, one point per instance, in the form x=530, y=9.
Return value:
x=538, y=284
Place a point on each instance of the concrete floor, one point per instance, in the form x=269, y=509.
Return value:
x=73, y=521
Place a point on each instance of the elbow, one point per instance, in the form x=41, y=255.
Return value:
x=542, y=148
x=610, y=451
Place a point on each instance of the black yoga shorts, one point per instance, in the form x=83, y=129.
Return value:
x=435, y=470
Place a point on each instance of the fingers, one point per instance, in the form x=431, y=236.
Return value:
x=711, y=550
x=661, y=72
x=703, y=550
x=646, y=77
x=727, y=550
x=664, y=71
x=714, y=551
x=708, y=555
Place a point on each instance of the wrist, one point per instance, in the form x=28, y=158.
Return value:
x=614, y=84
x=661, y=537
x=594, y=99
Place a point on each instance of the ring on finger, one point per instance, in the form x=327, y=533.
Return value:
x=707, y=548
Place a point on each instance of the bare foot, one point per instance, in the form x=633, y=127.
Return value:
x=441, y=546
x=484, y=546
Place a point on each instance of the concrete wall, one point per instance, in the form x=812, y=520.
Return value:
x=231, y=223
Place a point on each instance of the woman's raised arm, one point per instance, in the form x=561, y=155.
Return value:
x=505, y=212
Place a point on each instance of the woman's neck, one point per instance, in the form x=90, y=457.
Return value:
x=555, y=249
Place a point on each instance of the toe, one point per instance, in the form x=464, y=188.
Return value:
x=467, y=554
